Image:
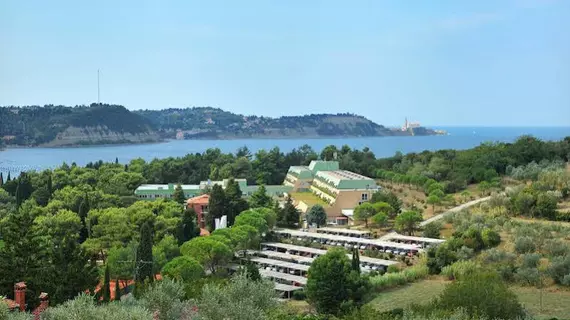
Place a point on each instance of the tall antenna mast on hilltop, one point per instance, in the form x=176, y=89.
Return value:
x=98, y=89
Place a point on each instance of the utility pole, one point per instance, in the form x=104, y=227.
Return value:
x=98, y=89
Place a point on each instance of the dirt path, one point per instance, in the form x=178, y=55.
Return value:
x=458, y=208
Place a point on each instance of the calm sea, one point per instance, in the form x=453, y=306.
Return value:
x=21, y=159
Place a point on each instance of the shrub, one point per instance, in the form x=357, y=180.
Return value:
x=481, y=295
x=490, y=238
x=432, y=230
x=555, y=247
x=299, y=295
x=459, y=270
x=393, y=269
x=465, y=253
x=527, y=276
x=389, y=280
x=566, y=280
x=524, y=245
x=530, y=260
x=559, y=268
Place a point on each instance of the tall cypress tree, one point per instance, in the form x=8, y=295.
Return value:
x=83, y=211
x=49, y=185
x=24, y=189
x=355, y=260
x=188, y=226
x=235, y=202
x=117, y=290
x=116, y=160
x=107, y=286
x=217, y=206
x=19, y=196
x=8, y=177
x=178, y=195
x=1, y=179
x=144, y=260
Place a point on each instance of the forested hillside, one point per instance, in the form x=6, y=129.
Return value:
x=101, y=123
x=216, y=123
x=61, y=125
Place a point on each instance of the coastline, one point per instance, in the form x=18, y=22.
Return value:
x=217, y=138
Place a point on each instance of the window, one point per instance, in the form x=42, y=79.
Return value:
x=365, y=197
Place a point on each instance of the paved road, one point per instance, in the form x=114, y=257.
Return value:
x=458, y=208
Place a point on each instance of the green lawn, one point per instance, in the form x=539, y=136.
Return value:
x=556, y=303
x=420, y=292
x=309, y=198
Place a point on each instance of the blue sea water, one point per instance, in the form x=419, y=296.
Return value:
x=21, y=159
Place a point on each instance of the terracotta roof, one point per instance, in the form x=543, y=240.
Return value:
x=122, y=285
x=202, y=199
x=11, y=303
x=204, y=232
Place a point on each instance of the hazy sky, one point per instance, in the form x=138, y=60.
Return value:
x=495, y=62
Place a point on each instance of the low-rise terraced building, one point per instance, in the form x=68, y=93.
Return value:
x=341, y=189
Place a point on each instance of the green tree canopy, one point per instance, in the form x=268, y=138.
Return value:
x=364, y=212
x=184, y=269
x=408, y=222
x=289, y=215
x=380, y=219
x=317, y=216
x=260, y=198
x=328, y=281
x=209, y=252
x=482, y=294
x=178, y=194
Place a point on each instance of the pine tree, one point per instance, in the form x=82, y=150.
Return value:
x=217, y=206
x=355, y=260
x=8, y=177
x=1, y=179
x=260, y=198
x=235, y=202
x=144, y=260
x=116, y=160
x=107, y=286
x=117, y=290
x=188, y=227
x=24, y=254
x=71, y=273
x=178, y=195
x=289, y=215
x=126, y=167
x=83, y=211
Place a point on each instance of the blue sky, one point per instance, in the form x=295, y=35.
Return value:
x=496, y=62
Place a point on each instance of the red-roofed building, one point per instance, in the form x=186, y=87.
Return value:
x=200, y=206
x=122, y=285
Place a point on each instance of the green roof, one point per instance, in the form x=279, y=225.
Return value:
x=166, y=189
x=271, y=189
x=342, y=179
x=319, y=165
x=301, y=172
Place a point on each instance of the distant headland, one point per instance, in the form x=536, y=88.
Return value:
x=98, y=124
